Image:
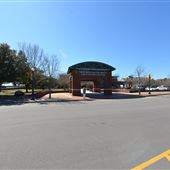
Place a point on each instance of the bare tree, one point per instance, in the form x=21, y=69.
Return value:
x=50, y=68
x=139, y=71
x=33, y=53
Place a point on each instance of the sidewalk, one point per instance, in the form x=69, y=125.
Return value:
x=64, y=97
x=155, y=93
x=93, y=96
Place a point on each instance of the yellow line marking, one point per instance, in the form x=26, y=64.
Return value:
x=165, y=154
x=168, y=157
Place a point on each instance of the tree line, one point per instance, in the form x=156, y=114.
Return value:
x=19, y=66
x=143, y=80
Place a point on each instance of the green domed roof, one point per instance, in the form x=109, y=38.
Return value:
x=91, y=65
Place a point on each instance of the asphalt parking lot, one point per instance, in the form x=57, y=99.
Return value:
x=99, y=134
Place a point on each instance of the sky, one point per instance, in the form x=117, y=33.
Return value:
x=123, y=34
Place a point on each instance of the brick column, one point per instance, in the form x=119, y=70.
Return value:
x=76, y=85
x=108, y=83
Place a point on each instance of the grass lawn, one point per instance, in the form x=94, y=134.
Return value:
x=10, y=93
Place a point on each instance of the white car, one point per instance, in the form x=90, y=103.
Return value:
x=152, y=88
x=162, y=88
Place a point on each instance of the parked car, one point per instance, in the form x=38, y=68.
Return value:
x=19, y=93
x=168, y=87
x=152, y=88
x=163, y=88
x=138, y=87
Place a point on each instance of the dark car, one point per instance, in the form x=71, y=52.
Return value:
x=19, y=93
x=138, y=87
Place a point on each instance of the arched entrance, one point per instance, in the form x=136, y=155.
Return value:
x=98, y=73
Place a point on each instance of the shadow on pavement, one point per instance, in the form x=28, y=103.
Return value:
x=113, y=96
x=46, y=102
x=13, y=100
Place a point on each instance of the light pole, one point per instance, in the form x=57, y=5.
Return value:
x=33, y=84
x=149, y=83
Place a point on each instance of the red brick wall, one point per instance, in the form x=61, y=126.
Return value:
x=99, y=82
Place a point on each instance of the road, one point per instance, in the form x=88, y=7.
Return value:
x=99, y=134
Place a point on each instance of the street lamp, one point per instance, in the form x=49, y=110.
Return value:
x=149, y=83
x=33, y=84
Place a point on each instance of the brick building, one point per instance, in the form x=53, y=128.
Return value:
x=91, y=71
